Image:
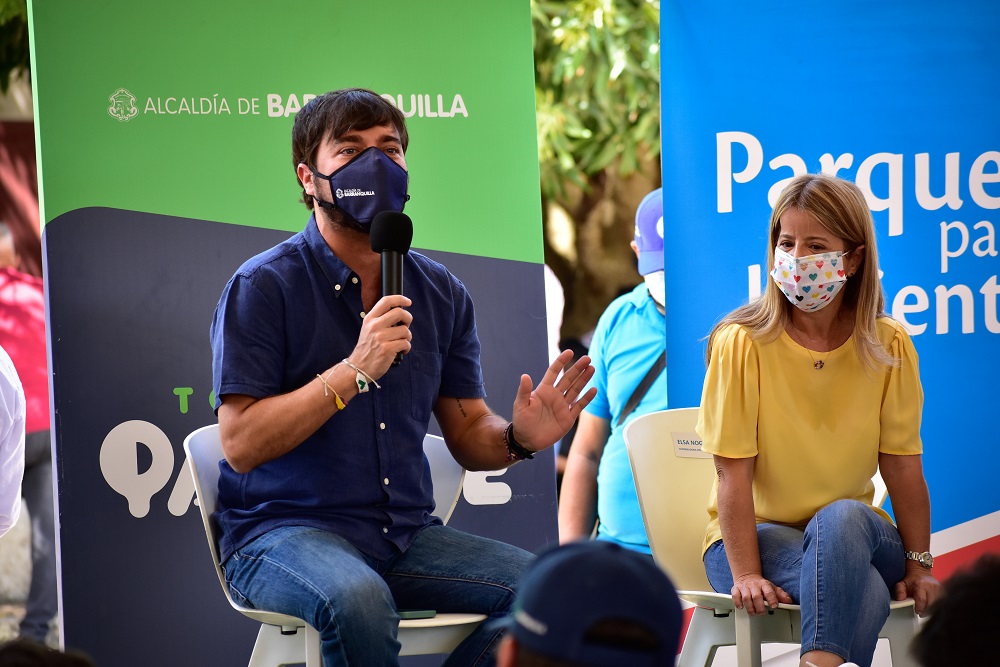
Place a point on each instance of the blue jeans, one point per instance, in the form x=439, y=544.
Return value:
x=43, y=598
x=352, y=598
x=840, y=570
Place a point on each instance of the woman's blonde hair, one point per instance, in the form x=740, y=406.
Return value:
x=841, y=208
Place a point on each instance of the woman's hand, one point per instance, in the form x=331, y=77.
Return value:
x=919, y=584
x=756, y=594
x=904, y=478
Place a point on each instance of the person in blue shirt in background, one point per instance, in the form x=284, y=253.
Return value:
x=325, y=498
x=628, y=347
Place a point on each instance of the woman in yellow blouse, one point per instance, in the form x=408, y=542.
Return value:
x=809, y=390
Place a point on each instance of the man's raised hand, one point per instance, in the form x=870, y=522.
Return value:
x=543, y=415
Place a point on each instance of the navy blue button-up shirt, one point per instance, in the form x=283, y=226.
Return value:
x=294, y=311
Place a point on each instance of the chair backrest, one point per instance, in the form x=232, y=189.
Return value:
x=881, y=491
x=673, y=479
x=204, y=451
x=446, y=474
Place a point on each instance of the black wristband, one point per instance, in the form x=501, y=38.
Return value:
x=514, y=448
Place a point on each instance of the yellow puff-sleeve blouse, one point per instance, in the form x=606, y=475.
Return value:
x=816, y=434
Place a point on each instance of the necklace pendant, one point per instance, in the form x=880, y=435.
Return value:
x=819, y=365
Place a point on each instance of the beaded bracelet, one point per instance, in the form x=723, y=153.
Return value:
x=515, y=451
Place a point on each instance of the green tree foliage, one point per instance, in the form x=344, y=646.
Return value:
x=597, y=96
x=597, y=78
x=14, y=52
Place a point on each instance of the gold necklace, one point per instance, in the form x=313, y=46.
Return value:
x=818, y=364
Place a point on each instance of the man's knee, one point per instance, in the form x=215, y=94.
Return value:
x=359, y=595
x=353, y=604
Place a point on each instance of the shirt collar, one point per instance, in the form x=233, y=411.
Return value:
x=643, y=302
x=338, y=273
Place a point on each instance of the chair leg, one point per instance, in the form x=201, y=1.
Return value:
x=274, y=649
x=706, y=633
x=314, y=657
x=748, y=636
x=899, y=629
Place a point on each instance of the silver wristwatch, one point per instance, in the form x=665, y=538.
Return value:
x=923, y=557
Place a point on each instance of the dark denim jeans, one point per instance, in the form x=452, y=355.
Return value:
x=351, y=598
x=43, y=599
x=840, y=570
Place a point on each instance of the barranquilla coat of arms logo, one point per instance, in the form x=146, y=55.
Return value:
x=122, y=105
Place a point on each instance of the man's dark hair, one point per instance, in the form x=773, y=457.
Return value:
x=963, y=621
x=338, y=113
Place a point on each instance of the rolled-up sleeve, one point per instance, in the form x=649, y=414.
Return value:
x=247, y=357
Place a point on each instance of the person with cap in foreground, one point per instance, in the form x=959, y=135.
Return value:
x=593, y=604
x=628, y=352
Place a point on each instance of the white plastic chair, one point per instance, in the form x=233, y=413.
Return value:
x=673, y=478
x=285, y=640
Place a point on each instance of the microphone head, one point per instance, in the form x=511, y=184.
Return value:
x=391, y=230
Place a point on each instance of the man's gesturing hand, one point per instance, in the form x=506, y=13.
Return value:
x=544, y=415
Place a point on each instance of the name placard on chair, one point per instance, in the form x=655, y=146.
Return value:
x=688, y=445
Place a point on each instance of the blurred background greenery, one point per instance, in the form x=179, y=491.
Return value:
x=597, y=96
x=14, y=56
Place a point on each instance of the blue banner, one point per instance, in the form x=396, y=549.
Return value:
x=899, y=97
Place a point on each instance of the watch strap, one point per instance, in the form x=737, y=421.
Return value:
x=515, y=451
x=923, y=557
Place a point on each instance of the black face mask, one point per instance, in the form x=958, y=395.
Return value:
x=365, y=186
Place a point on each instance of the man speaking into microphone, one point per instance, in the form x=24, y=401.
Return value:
x=325, y=497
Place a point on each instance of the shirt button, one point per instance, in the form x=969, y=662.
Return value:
x=381, y=425
x=386, y=481
x=362, y=314
x=336, y=287
x=354, y=280
x=385, y=530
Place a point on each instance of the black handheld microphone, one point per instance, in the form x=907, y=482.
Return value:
x=391, y=235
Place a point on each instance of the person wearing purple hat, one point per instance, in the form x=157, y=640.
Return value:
x=592, y=604
x=629, y=358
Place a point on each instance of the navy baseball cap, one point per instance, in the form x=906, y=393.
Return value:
x=597, y=604
x=649, y=232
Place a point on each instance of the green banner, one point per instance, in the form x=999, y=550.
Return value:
x=185, y=108
x=164, y=139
